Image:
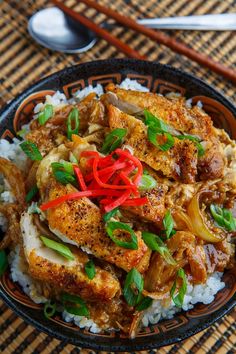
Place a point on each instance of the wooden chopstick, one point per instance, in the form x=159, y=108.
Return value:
x=123, y=47
x=169, y=42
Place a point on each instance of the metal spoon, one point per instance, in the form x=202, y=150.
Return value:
x=53, y=29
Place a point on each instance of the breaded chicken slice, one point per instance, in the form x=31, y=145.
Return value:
x=80, y=222
x=154, y=210
x=192, y=121
x=47, y=265
x=179, y=162
x=174, y=112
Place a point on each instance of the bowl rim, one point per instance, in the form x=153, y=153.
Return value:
x=87, y=342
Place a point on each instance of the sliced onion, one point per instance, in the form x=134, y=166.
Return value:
x=11, y=213
x=157, y=295
x=198, y=224
x=136, y=323
x=182, y=220
x=14, y=177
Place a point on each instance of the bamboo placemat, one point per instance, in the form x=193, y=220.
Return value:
x=23, y=62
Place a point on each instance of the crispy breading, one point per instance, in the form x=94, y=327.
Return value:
x=154, y=210
x=81, y=222
x=174, y=112
x=68, y=275
x=179, y=162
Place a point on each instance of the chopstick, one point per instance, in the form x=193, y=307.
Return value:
x=154, y=35
x=162, y=38
x=123, y=47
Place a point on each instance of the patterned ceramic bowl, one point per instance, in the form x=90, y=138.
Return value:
x=158, y=78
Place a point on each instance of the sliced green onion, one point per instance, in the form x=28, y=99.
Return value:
x=115, y=225
x=168, y=223
x=3, y=262
x=155, y=243
x=34, y=209
x=65, y=297
x=156, y=123
x=90, y=269
x=73, y=120
x=152, y=137
x=107, y=216
x=32, y=192
x=144, y=304
x=31, y=150
x=63, y=166
x=133, y=287
x=223, y=217
x=147, y=182
x=46, y=113
x=73, y=159
x=77, y=310
x=179, y=298
x=49, y=309
x=197, y=141
x=80, y=308
x=113, y=140
x=64, y=177
x=156, y=126
x=58, y=247
x=22, y=132
x=63, y=172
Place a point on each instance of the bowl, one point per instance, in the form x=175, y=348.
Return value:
x=158, y=78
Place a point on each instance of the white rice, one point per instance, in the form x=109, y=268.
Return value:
x=13, y=152
x=19, y=274
x=159, y=310
x=201, y=293
x=129, y=84
x=79, y=95
x=81, y=321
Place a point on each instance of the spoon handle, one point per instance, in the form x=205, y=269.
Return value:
x=220, y=22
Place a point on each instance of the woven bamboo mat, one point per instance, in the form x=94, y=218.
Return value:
x=23, y=62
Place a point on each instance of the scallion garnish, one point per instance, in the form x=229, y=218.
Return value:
x=179, y=298
x=31, y=150
x=156, y=123
x=73, y=159
x=223, y=217
x=34, y=209
x=79, y=308
x=22, y=132
x=32, y=192
x=58, y=247
x=63, y=172
x=113, y=140
x=156, y=127
x=3, y=262
x=152, y=137
x=49, y=309
x=107, y=216
x=46, y=113
x=155, y=243
x=90, y=269
x=144, y=304
x=73, y=123
x=197, y=142
x=133, y=287
x=115, y=225
x=147, y=182
x=168, y=224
